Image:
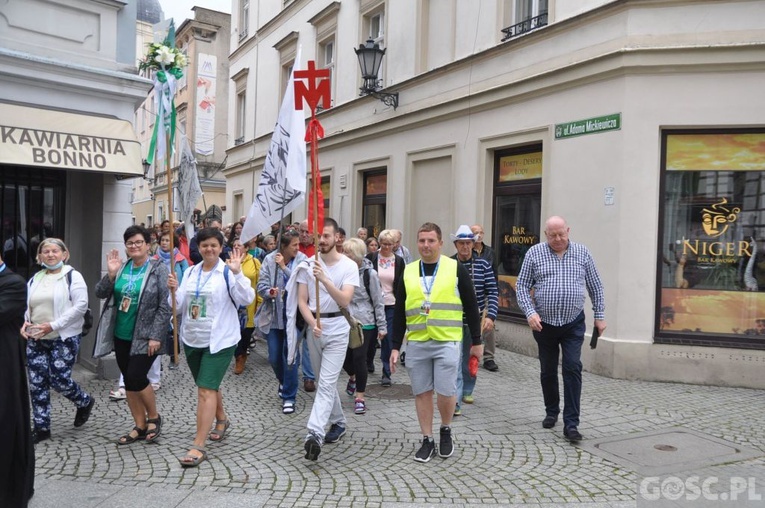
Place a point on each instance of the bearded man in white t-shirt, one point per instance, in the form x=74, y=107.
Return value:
x=327, y=341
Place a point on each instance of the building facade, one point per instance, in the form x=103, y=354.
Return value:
x=204, y=86
x=68, y=91
x=639, y=121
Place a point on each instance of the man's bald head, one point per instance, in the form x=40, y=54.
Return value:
x=555, y=221
x=556, y=231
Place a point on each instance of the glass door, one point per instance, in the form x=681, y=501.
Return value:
x=517, y=216
x=375, y=193
x=31, y=209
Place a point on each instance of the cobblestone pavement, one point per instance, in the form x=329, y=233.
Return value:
x=503, y=455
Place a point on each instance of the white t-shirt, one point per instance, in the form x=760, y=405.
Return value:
x=344, y=272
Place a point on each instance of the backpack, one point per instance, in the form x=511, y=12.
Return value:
x=366, y=283
x=241, y=310
x=88, y=324
x=356, y=333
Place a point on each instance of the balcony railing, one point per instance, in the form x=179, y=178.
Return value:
x=238, y=141
x=525, y=26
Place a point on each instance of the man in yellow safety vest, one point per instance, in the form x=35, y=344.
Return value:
x=429, y=309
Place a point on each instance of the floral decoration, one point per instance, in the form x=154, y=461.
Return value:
x=163, y=58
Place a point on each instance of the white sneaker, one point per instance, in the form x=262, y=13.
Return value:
x=118, y=394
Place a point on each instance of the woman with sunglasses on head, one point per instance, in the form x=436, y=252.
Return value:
x=57, y=300
x=208, y=299
x=138, y=289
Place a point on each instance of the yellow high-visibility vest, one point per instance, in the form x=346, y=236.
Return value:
x=444, y=321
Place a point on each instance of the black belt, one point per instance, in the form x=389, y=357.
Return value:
x=328, y=314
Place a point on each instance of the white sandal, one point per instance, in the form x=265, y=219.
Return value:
x=288, y=407
x=118, y=394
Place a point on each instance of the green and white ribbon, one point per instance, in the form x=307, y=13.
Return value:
x=165, y=84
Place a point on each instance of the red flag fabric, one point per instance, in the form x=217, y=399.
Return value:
x=317, y=197
x=315, y=131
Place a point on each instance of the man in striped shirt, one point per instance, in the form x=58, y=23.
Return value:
x=485, y=284
x=550, y=291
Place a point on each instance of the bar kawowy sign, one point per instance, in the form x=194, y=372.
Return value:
x=61, y=140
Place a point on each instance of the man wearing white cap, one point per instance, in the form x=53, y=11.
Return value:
x=485, y=284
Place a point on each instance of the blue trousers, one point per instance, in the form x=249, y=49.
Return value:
x=465, y=382
x=306, y=366
x=386, y=345
x=551, y=341
x=49, y=363
x=277, y=357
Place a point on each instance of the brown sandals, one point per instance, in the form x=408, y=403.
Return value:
x=189, y=460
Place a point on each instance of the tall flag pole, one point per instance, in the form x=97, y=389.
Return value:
x=167, y=62
x=317, y=90
x=189, y=189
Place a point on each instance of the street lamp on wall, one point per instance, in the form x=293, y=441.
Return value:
x=146, y=167
x=370, y=57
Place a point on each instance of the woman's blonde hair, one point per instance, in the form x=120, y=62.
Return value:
x=54, y=241
x=355, y=249
x=386, y=235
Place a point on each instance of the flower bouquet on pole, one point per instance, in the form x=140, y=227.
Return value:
x=167, y=63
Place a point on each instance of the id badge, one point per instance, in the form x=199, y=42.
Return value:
x=197, y=309
x=125, y=303
x=425, y=308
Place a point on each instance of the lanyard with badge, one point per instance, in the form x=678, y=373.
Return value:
x=425, y=307
x=129, y=291
x=198, y=305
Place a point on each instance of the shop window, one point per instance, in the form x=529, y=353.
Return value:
x=31, y=209
x=373, y=201
x=711, y=276
x=517, y=211
x=325, y=191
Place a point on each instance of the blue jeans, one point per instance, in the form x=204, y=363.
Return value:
x=465, y=382
x=277, y=357
x=386, y=345
x=306, y=366
x=568, y=339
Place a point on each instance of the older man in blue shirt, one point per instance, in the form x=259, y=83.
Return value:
x=557, y=271
x=486, y=292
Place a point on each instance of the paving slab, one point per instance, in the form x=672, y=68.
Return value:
x=503, y=456
x=669, y=451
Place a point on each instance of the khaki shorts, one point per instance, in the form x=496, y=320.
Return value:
x=433, y=364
